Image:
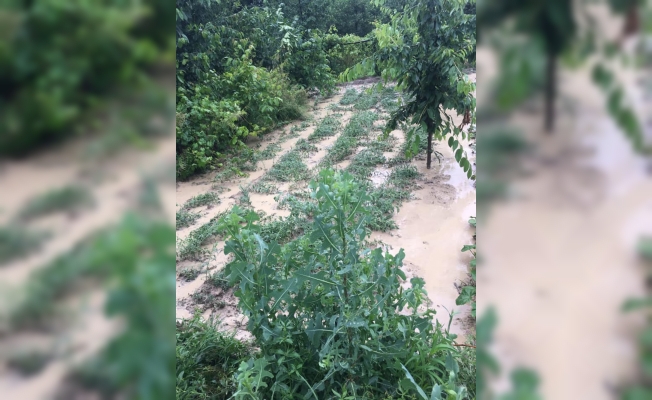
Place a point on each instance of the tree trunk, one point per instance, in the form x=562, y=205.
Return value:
x=429, y=149
x=551, y=83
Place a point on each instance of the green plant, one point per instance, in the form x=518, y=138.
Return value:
x=204, y=199
x=326, y=313
x=65, y=199
x=189, y=274
x=289, y=168
x=350, y=97
x=206, y=360
x=263, y=188
x=326, y=128
x=186, y=218
x=17, y=242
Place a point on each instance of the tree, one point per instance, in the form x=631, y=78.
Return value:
x=424, y=49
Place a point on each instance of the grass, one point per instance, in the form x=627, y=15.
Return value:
x=270, y=152
x=189, y=274
x=190, y=248
x=204, y=199
x=364, y=162
x=65, y=199
x=186, y=218
x=262, y=187
x=350, y=97
x=218, y=280
x=305, y=146
x=367, y=99
x=326, y=128
x=207, y=360
x=17, y=242
x=289, y=168
x=358, y=127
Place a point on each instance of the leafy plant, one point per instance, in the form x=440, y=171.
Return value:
x=327, y=127
x=204, y=199
x=331, y=317
x=65, y=199
x=186, y=218
x=289, y=168
x=206, y=360
x=16, y=242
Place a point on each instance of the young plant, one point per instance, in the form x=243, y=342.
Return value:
x=330, y=316
x=65, y=199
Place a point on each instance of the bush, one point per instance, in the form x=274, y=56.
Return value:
x=330, y=317
x=343, y=55
x=62, y=58
x=221, y=112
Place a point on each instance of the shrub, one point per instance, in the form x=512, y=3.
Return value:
x=330, y=317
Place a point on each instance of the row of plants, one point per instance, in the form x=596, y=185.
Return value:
x=243, y=70
x=330, y=317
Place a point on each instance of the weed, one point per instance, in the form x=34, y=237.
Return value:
x=191, y=247
x=368, y=99
x=403, y=176
x=65, y=199
x=186, y=218
x=207, y=360
x=326, y=128
x=304, y=146
x=342, y=148
x=189, y=274
x=263, y=187
x=219, y=280
x=228, y=174
x=270, y=152
x=29, y=363
x=332, y=303
x=364, y=162
x=18, y=242
x=244, y=200
x=350, y=97
x=204, y=199
x=360, y=124
x=289, y=168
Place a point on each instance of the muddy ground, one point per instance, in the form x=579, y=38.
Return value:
x=432, y=227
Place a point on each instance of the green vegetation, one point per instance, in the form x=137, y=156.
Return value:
x=244, y=68
x=17, y=242
x=64, y=64
x=204, y=199
x=306, y=337
x=65, y=199
x=289, y=168
x=468, y=291
x=186, y=218
x=206, y=360
x=424, y=49
x=326, y=128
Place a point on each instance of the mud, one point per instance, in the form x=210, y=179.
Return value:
x=432, y=228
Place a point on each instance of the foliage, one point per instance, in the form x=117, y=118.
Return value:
x=326, y=313
x=17, y=242
x=65, y=199
x=289, y=168
x=424, y=48
x=186, y=218
x=203, y=199
x=327, y=127
x=61, y=59
x=207, y=360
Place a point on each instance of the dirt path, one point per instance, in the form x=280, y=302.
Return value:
x=432, y=227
